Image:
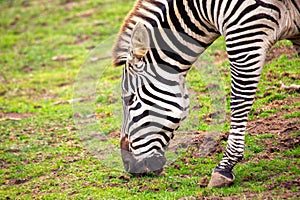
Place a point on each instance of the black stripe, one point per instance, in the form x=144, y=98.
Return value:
x=151, y=103
x=233, y=11
x=243, y=88
x=165, y=47
x=242, y=76
x=124, y=80
x=172, y=69
x=229, y=155
x=138, y=106
x=247, y=49
x=241, y=67
x=243, y=58
x=244, y=42
x=165, y=136
x=238, y=120
x=242, y=112
x=158, y=16
x=148, y=143
x=212, y=9
x=178, y=26
x=197, y=17
x=239, y=31
x=130, y=81
x=149, y=94
x=204, y=6
x=259, y=16
x=298, y=27
x=227, y=6
x=152, y=148
x=246, y=35
x=296, y=5
x=158, y=115
x=191, y=25
x=247, y=10
x=166, y=67
x=219, y=10
x=141, y=116
x=147, y=125
x=187, y=20
x=271, y=6
x=240, y=58
x=160, y=90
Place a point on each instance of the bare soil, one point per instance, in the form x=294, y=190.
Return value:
x=277, y=51
x=15, y=116
x=281, y=127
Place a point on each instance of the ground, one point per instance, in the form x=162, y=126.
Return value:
x=43, y=155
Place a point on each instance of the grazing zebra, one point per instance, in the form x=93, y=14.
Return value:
x=158, y=43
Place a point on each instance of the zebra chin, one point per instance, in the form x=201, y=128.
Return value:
x=138, y=167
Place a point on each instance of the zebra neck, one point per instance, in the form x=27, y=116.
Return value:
x=173, y=16
x=290, y=19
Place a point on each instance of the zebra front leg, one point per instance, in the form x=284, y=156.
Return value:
x=245, y=74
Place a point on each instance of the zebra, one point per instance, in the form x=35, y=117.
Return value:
x=156, y=61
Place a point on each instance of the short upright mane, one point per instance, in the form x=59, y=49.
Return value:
x=121, y=47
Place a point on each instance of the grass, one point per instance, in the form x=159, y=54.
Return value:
x=42, y=156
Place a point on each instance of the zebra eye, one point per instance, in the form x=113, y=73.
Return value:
x=129, y=100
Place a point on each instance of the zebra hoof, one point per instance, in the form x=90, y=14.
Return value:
x=219, y=180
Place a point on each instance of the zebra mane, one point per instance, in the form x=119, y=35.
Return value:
x=120, y=50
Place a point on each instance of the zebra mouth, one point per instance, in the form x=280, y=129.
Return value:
x=153, y=164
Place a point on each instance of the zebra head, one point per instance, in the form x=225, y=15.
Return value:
x=155, y=100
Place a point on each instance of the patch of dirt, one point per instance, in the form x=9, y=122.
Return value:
x=17, y=181
x=209, y=143
x=282, y=128
x=15, y=116
x=283, y=139
x=114, y=135
x=65, y=84
x=275, y=52
x=26, y=69
x=288, y=184
x=276, y=104
x=81, y=39
x=124, y=177
x=219, y=57
x=292, y=76
x=251, y=195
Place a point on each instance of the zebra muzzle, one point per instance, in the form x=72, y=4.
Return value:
x=153, y=163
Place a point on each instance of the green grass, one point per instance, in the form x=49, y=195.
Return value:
x=43, y=46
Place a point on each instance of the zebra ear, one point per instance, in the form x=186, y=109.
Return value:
x=140, y=41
